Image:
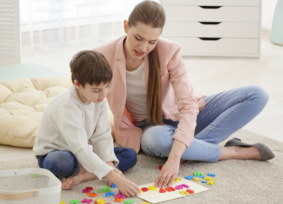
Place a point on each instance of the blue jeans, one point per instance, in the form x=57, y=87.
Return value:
x=64, y=164
x=224, y=114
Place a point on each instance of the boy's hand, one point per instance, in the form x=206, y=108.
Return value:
x=127, y=187
x=116, y=171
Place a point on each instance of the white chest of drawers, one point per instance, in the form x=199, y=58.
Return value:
x=214, y=27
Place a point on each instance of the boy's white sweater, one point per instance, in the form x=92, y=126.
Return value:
x=68, y=124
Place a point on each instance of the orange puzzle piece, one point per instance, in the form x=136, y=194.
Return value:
x=92, y=194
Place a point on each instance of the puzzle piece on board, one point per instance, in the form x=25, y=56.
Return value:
x=152, y=188
x=169, y=189
x=184, y=192
x=190, y=191
x=161, y=190
x=144, y=189
x=177, y=179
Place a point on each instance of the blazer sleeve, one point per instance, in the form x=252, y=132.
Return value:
x=187, y=104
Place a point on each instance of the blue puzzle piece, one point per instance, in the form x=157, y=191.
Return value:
x=189, y=177
x=211, y=174
x=204, y=181
x=113, y=185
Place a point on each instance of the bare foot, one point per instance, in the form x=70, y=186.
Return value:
x=69, y=182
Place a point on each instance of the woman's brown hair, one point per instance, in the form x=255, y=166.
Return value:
x=152, y=14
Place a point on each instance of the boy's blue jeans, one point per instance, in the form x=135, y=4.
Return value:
x=224, y=114
x=64, y=164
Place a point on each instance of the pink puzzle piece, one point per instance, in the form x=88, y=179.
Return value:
x=86, y=200
x=180, y=187
x=120, y=196
x=86, y=191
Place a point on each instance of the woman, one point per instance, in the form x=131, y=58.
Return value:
x=156, y=108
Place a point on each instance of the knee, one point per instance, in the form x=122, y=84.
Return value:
x=59, y=163
x=155, y=140
x=260, y=95
x=131, y=156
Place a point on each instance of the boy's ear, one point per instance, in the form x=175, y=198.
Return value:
x=77, y=84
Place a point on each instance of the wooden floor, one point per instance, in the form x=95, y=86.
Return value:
x=207, y=74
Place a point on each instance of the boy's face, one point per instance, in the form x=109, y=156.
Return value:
x=91, y=93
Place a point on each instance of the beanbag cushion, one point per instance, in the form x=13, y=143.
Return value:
x=22, y=102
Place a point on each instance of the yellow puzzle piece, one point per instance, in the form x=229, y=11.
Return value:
x=145, y=203
x=177, y=179
x=62, y=202
x=100, y=201
x=152, y=188
x=208, y=179
x=184, y=192
x=211, y=182
x=197, y=179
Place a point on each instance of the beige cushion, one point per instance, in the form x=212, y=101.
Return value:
x=22, y=102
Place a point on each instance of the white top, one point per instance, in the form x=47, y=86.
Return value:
x=136, y=93
x=68, y=124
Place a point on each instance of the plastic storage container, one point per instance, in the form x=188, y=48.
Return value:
x=23, y=186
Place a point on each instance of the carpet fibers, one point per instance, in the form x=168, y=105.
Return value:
x=237, y=181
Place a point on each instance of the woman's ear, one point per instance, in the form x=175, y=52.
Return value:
x=126, y=25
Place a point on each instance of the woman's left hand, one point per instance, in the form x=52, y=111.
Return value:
x=168, y=173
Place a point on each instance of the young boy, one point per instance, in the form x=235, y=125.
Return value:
x=74, y=139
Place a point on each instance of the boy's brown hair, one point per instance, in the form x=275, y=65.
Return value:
x=90, y=67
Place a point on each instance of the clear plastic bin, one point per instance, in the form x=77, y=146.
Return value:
x=21, y=187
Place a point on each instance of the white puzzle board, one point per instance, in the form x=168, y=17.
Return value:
x=156, y=197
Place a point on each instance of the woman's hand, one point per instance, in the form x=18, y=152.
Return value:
x=168, y=173
x=170, y=169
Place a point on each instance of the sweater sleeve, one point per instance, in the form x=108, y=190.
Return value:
x=101, y=139
x=187, y=104
x=69, y=122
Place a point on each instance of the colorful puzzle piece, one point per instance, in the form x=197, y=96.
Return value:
x=184, y=192
x=100, y=201
x=177, y=179
x=89, y=188
x=189, y=177
x=86, y=200
x=211, y=182
x=92, y=194
x=106, y=189
x=35, y=175
x=129, y=201
x=145, y=203
x=197, y=179
x=161, y=190
x=190, y=191
x=144, y=189
x=62, y=202
x=197, y=173
x=208, y=179
x=204, y=181
x=75, y=201
x=113, y=185
x=152, y=188
x=85, y=191
x=169, y=189
x=211, y=174
x=109, y=194
x=160, y=167
x=120, y=196
x=118, y=199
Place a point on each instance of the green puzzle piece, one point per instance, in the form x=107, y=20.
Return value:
x=197, y=174
x=75, y=201
x=129, y=201
x=35, y=175
x=106, y=189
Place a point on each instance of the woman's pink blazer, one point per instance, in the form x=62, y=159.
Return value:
x=180, y=102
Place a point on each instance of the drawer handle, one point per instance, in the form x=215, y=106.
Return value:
x=210, y=39
x=210, y=23
x=210, y=7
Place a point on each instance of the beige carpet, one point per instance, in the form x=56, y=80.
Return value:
x=237, y=181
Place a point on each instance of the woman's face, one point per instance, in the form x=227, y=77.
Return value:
x=141, y=39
